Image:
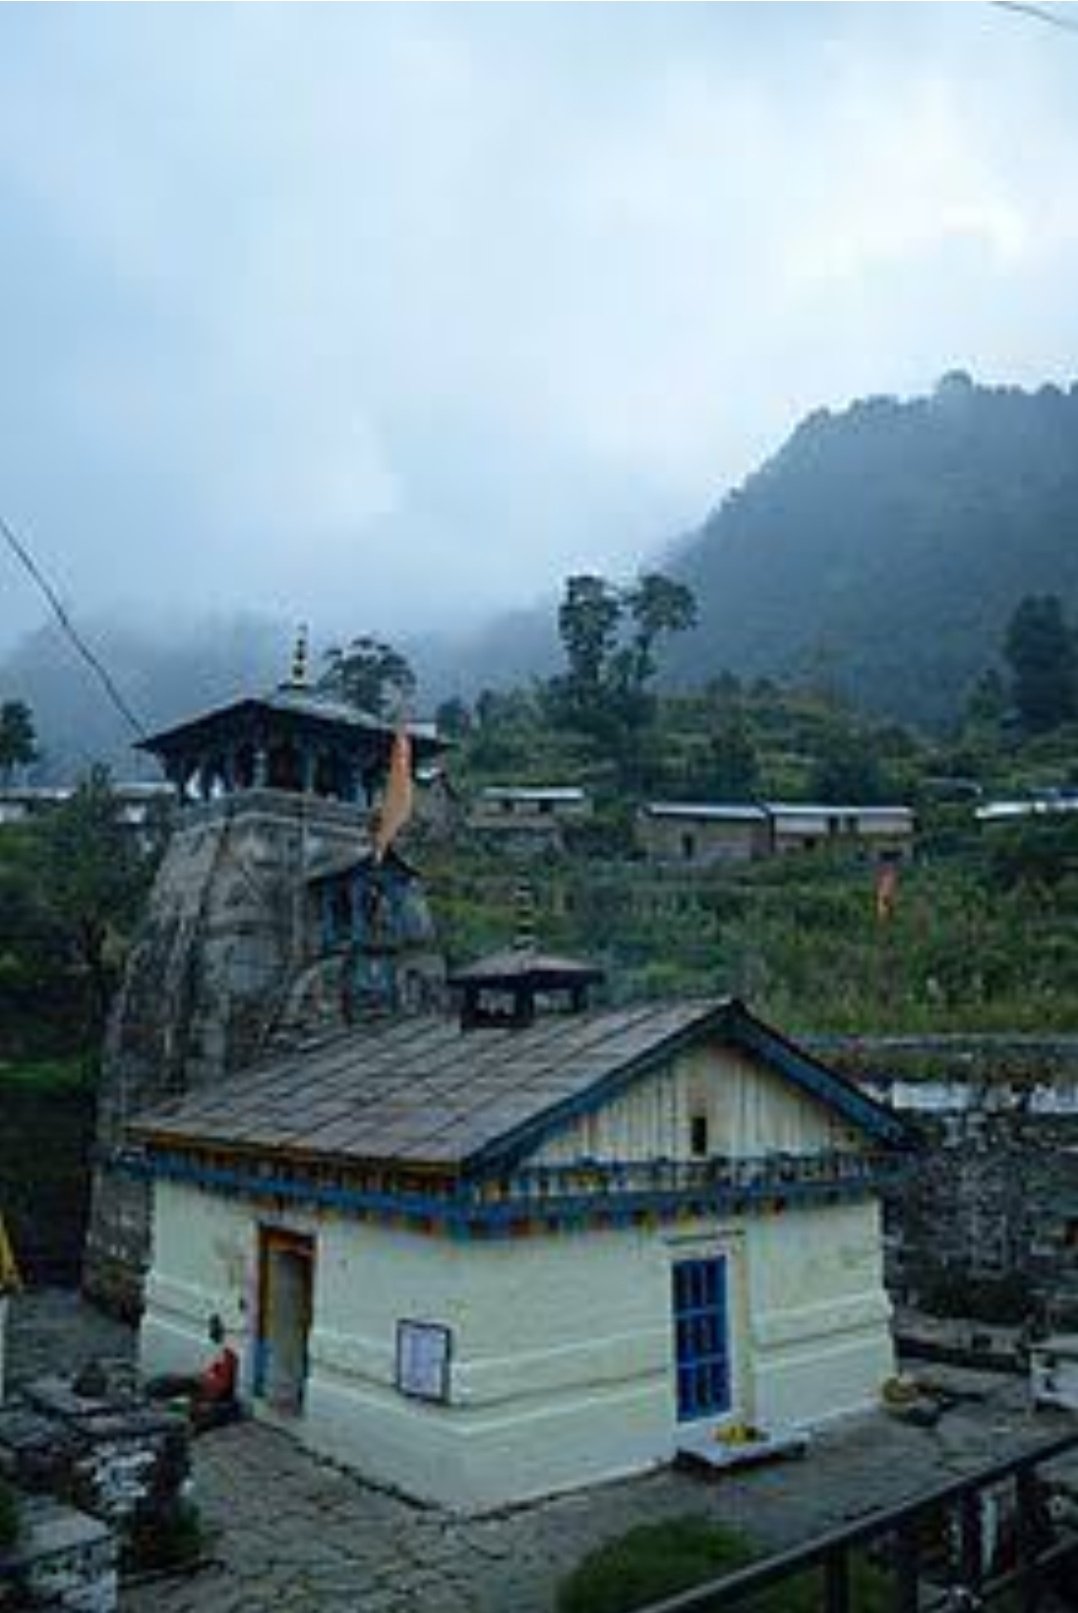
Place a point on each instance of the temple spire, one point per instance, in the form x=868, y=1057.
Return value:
x=298, y=679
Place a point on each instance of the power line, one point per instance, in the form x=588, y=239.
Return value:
x=1068, y=24
x=59, y=610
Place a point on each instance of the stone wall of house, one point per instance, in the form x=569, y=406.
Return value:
x=986, y=1224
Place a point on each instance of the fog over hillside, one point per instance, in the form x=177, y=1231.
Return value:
x=882, y=549
x=885, y=546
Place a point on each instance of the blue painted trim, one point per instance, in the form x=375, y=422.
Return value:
x=817, y=1079
x=701, y=1337
x=463, y=1211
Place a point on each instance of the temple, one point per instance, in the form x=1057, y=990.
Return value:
x=294, y=740
x=274, y=913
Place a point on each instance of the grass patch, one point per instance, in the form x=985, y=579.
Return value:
x=658, y=1560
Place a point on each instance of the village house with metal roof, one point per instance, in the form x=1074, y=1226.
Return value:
x=707, y=832
x=528, y=818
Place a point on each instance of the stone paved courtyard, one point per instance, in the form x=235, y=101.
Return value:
x=297, y=1535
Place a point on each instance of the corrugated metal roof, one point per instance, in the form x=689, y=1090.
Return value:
x=823, y=809
x=565, y=793
x=707, y=811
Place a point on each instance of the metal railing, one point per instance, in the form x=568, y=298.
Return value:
x=998, y=1538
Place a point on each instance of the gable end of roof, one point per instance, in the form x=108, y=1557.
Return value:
x=732, y=1020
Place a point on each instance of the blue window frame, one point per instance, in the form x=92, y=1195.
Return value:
x=701, y=1338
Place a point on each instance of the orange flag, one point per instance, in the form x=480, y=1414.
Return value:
x=9, y=1271
x=397, y=801
x=886, y=890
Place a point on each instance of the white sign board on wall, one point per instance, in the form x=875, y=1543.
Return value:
x=423, y=1351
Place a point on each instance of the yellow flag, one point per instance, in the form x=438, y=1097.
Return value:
x=397, y=801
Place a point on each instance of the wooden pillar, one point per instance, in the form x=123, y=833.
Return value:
x=307, y=764
x=353, y=782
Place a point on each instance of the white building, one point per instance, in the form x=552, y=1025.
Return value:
x=490, y=1257
x=1033, y=806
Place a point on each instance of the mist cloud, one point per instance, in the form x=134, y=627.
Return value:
x=384, y=317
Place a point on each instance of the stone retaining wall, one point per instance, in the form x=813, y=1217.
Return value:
x=986, y=1225
x=64, y=1561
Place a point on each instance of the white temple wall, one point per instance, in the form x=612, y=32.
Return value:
x=562, y=1348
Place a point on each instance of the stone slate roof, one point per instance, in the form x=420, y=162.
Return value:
x=424, y=1092
x=299, y=705
x=525, y=966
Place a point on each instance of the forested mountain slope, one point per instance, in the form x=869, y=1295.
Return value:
x=883, y=549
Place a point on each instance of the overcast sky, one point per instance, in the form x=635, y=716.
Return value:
x=384, y=316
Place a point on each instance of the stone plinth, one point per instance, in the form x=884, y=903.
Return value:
x=63, y=1560
x=116, y=1457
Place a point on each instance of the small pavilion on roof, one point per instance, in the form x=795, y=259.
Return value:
x=294, y=738
x=505, y=987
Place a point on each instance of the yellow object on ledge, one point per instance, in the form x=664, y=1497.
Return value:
x=740, y=1434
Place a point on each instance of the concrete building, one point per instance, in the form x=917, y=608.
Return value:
x=885, y=831
x=528, y=818
x=490, y=1256
x=705, y=832
x=1051, y=804
x=702, y=833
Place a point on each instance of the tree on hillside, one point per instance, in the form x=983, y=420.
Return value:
x=588, y=621
x=92, y=878
x=370, y=675
x=846, y=771
x=610, y=636
x=1041, y=649
x=18, y=741
x=656, y=605
x=735, y=767
x=453, y=717
x=986, y=705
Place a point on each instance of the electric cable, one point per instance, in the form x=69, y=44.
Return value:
x=1068, y=24
x=59, y=610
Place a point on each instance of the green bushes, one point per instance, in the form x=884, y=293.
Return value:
x=657, y=1560
x=165, y=1541
x=650, y=1562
